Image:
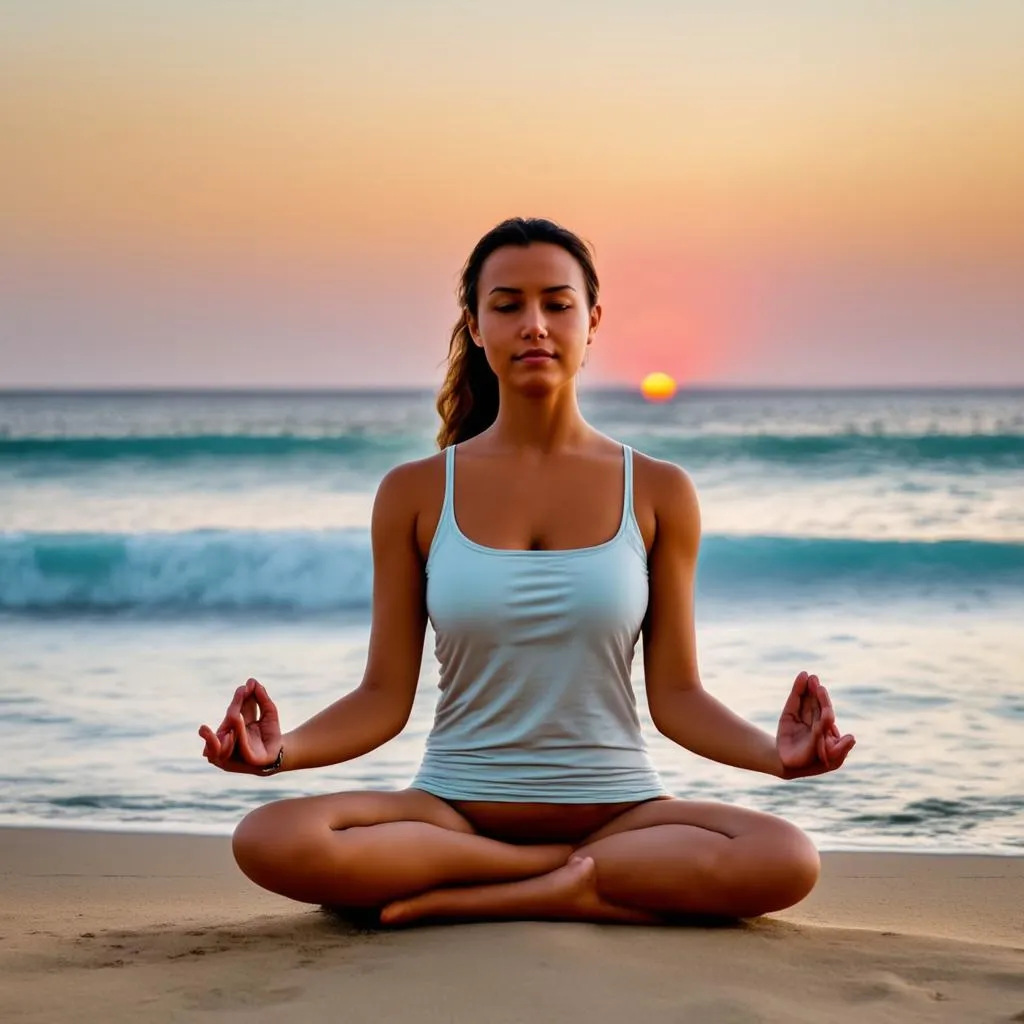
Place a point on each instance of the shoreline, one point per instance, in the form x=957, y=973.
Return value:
x=150, y=828
x=118, y=926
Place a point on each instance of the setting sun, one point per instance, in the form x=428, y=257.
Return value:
x=657, y=387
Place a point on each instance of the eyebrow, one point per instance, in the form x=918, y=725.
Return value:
x=544, y=291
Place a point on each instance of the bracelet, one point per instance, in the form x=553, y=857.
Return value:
x=270, y=769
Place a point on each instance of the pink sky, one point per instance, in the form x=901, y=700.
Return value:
x=244, y=196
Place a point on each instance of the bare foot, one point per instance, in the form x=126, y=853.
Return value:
x=568, y=893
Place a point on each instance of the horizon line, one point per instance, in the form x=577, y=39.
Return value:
x=380, y=389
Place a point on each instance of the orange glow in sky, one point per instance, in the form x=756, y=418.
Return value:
x=251, y=194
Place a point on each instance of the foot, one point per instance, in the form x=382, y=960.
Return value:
x=567, y=893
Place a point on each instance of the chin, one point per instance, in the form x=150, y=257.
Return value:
x=539, y=388
x=539, y=379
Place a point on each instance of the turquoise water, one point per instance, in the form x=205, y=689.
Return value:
x=157, y=549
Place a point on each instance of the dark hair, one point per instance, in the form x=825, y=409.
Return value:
x=468, y=399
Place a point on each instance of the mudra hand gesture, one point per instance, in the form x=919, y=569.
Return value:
x=249, y=738
x=808, y=739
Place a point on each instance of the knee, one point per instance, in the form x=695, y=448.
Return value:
x=266, y=846
x=792, y=870
x=766, y=870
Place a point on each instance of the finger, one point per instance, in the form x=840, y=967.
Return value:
x=216, y=749
x=822, y=748
x=814, y=689
x=826, y=703
x=846, y=742
x=242, y=740
x=250, y=709
x=233, y=711
x=211, y=748
x=267, y=707
x=841, y=750
x=812, y=704
x=795, y=698
x=235, y=706
x=827, y=717
x=250, y=688
x=822, y=729
x=824, y=698
x=227, y=748
x=227, y=728
x=812, y=707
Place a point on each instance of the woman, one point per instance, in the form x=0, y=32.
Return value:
x=539, y=563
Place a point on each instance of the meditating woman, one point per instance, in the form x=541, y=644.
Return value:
x=540, y=550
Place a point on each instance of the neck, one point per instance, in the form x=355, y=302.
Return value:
x=544, y=423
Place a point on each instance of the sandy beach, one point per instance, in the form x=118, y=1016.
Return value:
x=115, y=927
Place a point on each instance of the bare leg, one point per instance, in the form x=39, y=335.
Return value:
x=568, y=893
x=659, y=860
x=366, y=849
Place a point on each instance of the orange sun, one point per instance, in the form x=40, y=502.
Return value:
x=657, y=387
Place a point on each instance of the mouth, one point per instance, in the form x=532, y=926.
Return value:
x=533, y=355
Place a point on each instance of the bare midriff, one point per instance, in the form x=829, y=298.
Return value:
x=539, y=823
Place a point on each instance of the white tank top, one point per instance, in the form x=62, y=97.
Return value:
x=536, y=651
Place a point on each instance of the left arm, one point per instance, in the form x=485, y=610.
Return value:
x=808, y=742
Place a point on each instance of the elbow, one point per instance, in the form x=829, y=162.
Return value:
x=671, y=708
x=658, y=718
x=667, y=726
x=390, y=711
x=396, y=724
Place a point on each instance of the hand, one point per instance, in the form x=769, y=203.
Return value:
x=249, y=738
x=808, y=740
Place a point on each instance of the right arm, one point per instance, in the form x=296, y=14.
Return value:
x=379, y=707
x=377, y=710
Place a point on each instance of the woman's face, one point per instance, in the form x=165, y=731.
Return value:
x=532, y=316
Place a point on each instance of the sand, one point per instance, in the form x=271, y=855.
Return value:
x=118, y=927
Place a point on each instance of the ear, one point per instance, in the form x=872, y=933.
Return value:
x=474, y=331
x=595, y=319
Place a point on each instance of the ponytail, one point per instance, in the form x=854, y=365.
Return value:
x=468, y=400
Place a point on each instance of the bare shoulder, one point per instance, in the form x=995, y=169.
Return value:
x=667, y=495
x=409, y=498
x=401, y=484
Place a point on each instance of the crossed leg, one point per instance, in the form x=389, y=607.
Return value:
x=366, y=849
x=416, y=857
x=660, y=860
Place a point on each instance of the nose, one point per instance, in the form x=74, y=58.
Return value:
x=534, y=326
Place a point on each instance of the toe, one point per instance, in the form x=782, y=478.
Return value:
x=396, y=913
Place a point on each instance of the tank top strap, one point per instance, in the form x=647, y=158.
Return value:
x=448, y=505
x=627, y=487
x=447, y=516
x=630, y=526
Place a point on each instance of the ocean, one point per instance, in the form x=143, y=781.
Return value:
x=156, y=549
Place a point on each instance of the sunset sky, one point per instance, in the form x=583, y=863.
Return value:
x=269, y=194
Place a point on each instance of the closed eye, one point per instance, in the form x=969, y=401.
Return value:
x=555, y=307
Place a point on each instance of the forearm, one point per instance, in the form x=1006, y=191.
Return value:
x=695, y=719
x=354, y=725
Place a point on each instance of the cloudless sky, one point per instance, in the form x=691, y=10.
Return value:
x=249, y=193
